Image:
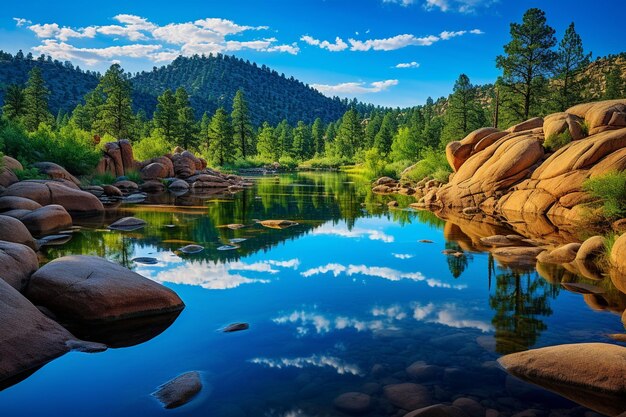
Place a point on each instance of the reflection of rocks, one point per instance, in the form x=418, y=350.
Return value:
x=277, y=224
x=88, y=288
x=29, y=339
x=521, y=257
x=126, y=332
x=564, y=254
x=592, y=374
x=128, y=224
x=180, y=390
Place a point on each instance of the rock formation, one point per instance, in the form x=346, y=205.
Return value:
x=510, y=173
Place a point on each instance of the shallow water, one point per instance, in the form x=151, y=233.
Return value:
x=343, y=301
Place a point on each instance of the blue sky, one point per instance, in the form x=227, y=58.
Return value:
x=388, y=52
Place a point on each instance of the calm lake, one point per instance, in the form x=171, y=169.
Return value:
x=345, y=300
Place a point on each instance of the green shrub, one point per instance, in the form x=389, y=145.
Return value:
x=287, y=162
x=69, y=147
x=134, y=176
x=610, y=190
x=151, y=147
x=376, y=165
x=29, y=174
x=557, y=141
x=584, y=126
x=100, y=179
x=433, y=165
x=325, y=162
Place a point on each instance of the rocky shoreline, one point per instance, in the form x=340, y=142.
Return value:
x=524, y=204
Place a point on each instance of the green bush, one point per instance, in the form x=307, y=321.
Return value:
x=134, y=176
x=376, y=165
x=100, y=179
x=29, y=174
x=325, y=162
x=69, y=147
x=556, y=141
x=288, y=163
x=151, y=147
x=610, y=190
x=433, y=165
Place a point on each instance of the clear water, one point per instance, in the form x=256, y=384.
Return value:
x=343, y=301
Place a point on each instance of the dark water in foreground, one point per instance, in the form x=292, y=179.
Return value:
x=344, y=301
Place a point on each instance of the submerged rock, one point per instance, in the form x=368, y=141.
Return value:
x=146, y=260
x=191, y=249
x=235, y=226
x=353, y=403
x=127, y=224
x=180, y=390
x=277, y=224
x=408, y=396
x=88, y=288
x=591, y=374
x=227, y=247
x=236, y=327
x=437, y=410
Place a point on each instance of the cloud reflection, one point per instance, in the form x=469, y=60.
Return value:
x=214, y=275
x=355, y=232
x=378, y=272
x=449, y=315
x=322, y=361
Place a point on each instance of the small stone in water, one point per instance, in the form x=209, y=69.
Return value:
x=425, y=241
x=227, y=247
x=190, y=249
x=170, y=226
x=235, y=226
x=145, y=260
x=236, y=327
x=237, y=240
x=180, y=390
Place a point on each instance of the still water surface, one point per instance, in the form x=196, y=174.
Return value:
x=343, y=301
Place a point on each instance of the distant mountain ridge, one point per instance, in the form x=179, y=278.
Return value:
x=211, y=82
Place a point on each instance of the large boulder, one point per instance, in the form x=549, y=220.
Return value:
x=89, y=289
x=184, y=166
x=7, y=177
x=13, y=230
x=52, y=192
x=180, y=390
x=128, y=160
x=11, y=163
x=618, y=254
x=154, y=171
x=17, y=264
x=591, y=374
x=600, y=114
x=17, y=203
x=29, y=339
x=47, y=219
x=558, y=123
x=55, y=171
x=113, y=151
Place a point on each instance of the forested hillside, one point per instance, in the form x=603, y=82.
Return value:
x=213, y=81
x=67, y=84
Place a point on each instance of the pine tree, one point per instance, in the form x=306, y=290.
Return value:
x=615, y=86
x=527, y=62
x=317, y=131
x=372, y=128
x=220, y=138
x=570, y=61
x=329, y=139
x=405, y=146
x=166, y=116
x=463, y=114
x=85, y=116
x=267, y=145
x=285, y=138
x=115, y=116
x=302, y=140
x=186, y=128
x=350, y=134
x=384, y=137
x=14, y=102
x=242, y=127
x=36, y=101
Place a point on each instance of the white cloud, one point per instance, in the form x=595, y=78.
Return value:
x=448, y=315
x=339, y=44
x=412, y=64
x=322, y=361
x=336, y=269
x=19, y=22
x=462, y=6
x=167, y=42
x=392, y=43
x=354, y=87
x=355, y=232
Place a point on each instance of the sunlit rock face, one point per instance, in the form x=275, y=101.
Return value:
x=511, y=172
x=592, y=374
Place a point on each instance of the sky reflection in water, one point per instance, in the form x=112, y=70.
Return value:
x=346, y=291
